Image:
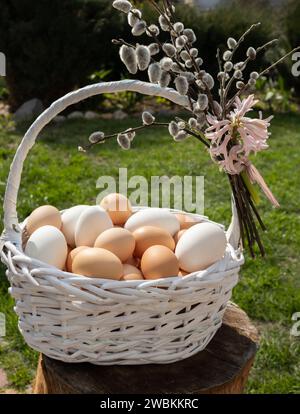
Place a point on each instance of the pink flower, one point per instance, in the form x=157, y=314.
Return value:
x=250, y=135
x=234, y=139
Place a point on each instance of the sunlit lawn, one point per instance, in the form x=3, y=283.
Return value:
x=56, y=173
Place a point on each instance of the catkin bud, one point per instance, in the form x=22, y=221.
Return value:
x=184, y=55
x=96, y=137
x=143, y=57
x=194, y=52
x=123, y=141
x=201, y=120
x=169, y=49
x=173, y=128
x=147, y=118
x=176, y=68
x=134, y=16
x=231, y=43
x=181, y=41
x=164, y=24
x=238, y=74
x=166, y=63
x=228, y=66
x=196, y=109
x=254, y=75
x=178, y=27
x=240, y=65
x=217, y=108
x=152, y=30
x=165, y=79
x=153, y=49
x=202, y=101
x=80, y=149
x=208, y=80
x=130, y=134
x=240, y=85
x=182, y=85
x=154, y=72
x=252, y=82
x=193, y=123
x=221, y=76
x=122, y=5
x=190, y=34
x=128, y=57
x=251, y=53
x=139, y=28
x=188, y=75
x=181, y=136
x=227, y=55
x=181, y=125
x=199, y=61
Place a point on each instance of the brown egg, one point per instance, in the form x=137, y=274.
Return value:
x=132, y=276
x=96, y=262
x=185, y=221
x=134, y=261
x=129, y=269
x=182, y=273
x=71, y=256
x=158, y=262
x=148, y=236
x=43, y=216
x=118, y=207
x=178, y=235
x=118, y=241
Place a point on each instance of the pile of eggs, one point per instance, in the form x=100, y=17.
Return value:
x=109, y=241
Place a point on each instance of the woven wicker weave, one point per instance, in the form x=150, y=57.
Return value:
x=78, y=319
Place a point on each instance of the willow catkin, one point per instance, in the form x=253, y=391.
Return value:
x=134, y=16
x=152, y=30
x=181, y=136
x=96, y=137
x=154, y=49
x=163, y=22
x=251, y=53
x=182, y=85
x=202, y=101
x=147, y=118
x=169, y=49
x=139, y=28
x=122, y=5
x=154, y=72
x=128, y=57
x=143, y=57
x=123, y=141
x=173, y=128
x=208, y=80
x=231, y=43
x=190, y=34
x=227, y=55
x=178, y=27
x=165, y=79
x=166, y=63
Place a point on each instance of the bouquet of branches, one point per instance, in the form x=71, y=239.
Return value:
x=219, y=122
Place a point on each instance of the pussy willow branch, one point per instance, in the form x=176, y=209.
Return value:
x=258, y=50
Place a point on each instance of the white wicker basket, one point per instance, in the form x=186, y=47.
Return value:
x=78, y=319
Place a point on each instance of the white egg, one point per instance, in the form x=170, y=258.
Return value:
x=48, y=245
x=200, y=246
x=69, y=220
x=92, y=222
x=157, y=217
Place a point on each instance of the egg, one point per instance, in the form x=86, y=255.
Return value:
x=69, y=220
x=134, y=261
x=92, y=222
x=157, y=217
x=158, y=262
x=43, y=216
x=178, y=235
x=148, y=236
x=98, y=263
x=48, y=245
x=131, y=273
x=118, y=207
x=71, y=256
x=185, y=221
x=118, y=241
x=132, y=276
x=200, y=246
x=129, y=269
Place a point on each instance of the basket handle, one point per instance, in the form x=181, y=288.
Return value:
x=12, y=231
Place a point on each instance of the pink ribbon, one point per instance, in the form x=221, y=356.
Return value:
x=255, y=177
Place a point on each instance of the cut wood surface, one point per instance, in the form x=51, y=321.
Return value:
x=222, y=368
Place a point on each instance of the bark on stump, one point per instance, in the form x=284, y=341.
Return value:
x=222, y=368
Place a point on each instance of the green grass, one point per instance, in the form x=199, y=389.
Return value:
x=56, y=173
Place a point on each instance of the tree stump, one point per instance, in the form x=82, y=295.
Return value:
x=222, y=368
